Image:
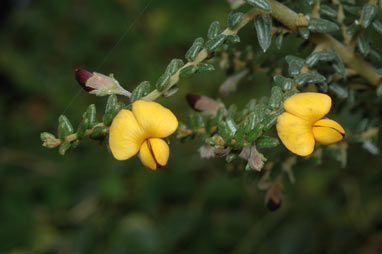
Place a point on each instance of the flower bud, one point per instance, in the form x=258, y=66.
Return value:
x=203, y=103
x=82, y=76
x=273, y=199
x=98, y=84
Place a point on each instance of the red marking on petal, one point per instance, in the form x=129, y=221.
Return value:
x=82, y=76
x=192, y=100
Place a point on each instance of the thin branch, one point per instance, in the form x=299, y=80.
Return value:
x=355, y=62
x=203, y=54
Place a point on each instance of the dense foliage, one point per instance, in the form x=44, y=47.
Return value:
x=235, y=73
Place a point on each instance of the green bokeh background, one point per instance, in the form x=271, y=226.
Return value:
x=87, y=202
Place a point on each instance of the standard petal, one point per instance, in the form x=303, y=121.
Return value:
x=308, y=106
x=295, y=133
x=156, y=120
x=125, y=135
x=154, y=153
x=327, y=132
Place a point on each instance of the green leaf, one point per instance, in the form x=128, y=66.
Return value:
x=205, y=67
x=322, y=26
x=269, y=121
x=195, y=49
x=363, y=45
x=82, y=127
x=348, y=1
x=353, y=10
x=276, y=97
x=286, y=84
x=238, y=145
x=338, y=90
x=111, y=103
x=329, y=55
x=279, y=40
x=65, y=128
x=261, y=4
x=223, y=129
x=255, y=133
x=377, y=26
x=91, y=114
x=232, y=39
x=328, y=11
x=140, y=91
x=369, y=12
x=304, y=32
x=234, y=19
x=323, y=55
x=163, y=81
x=231, y=157
x=188, y=71
x=220, y=115
x=216, y=42
x=295, y=64
x=46, y=135
x=64, y=147
x=267, y=142
x=260, y=112
x=251, y=105
x=192, y=120
x=263, y=25
x=214, y=30
x=353, y=28
x=312, y=77
x=99, y=132
x=252, y=121
x=232, y=110
x=379, y=89
x=199, y=121
x=231, y=126
x=75, y=144
x=173, y=90
x=112, y=108
x=239, y=135
x=174, y=66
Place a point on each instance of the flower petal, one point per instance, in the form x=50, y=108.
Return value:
x=327, y=132
x=308, y=106
x=154, y=153
x=156, y=120
x=125, y=135
x=295, y=133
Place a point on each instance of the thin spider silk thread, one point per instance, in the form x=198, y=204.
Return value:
x=107, y=56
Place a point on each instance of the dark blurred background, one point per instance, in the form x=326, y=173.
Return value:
x=87, y=202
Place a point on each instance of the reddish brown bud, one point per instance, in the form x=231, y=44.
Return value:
x=82, y=76
x=192, y=100
x=203, y=103
x=273, y=199
x=272, y=205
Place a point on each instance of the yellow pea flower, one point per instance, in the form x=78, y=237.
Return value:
x=301, y=125
x=141, y=130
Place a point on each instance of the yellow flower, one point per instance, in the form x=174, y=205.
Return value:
x=301, y=124
x=141, y=130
